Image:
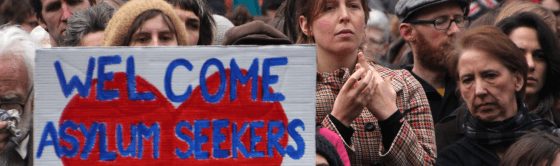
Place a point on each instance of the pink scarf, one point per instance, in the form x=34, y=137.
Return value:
x=336, y=140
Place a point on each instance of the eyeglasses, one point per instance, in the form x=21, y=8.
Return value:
x=14, y=104
x=445, y=23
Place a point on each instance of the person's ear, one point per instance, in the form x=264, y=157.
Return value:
x=407, y=32
x=519, y=82
x=304, y=27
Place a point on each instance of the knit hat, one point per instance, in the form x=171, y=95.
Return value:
x=325, y=148
x=255, y=33
x=119, y=26
x=222, y=26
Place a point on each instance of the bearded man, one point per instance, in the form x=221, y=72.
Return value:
x=430, y=27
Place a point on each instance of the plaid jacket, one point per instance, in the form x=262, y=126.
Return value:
x=415, y=142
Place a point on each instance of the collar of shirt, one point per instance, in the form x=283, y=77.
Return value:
x=22, y=148
x=339, y=76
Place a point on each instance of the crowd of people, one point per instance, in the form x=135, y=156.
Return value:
x=416, y=82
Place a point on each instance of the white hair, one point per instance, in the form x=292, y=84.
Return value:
x=13, y=39
x=379, y=20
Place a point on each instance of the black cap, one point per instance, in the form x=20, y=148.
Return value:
x=405, y=8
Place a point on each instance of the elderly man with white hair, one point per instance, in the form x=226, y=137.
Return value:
x=17, y=51
x=377, y=34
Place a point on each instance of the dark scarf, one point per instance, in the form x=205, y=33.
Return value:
x=506, y=132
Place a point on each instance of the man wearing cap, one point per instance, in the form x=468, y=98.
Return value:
x=429, y=27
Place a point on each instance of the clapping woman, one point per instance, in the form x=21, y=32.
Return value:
x=387, y=109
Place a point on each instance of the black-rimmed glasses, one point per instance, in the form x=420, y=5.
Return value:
x=14, y=104
x=444, y=23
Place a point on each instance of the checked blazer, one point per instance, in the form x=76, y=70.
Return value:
x=415, y=141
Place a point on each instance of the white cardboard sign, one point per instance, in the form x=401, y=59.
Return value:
x=175, y=105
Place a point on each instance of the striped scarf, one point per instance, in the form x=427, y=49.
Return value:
x=506, y=132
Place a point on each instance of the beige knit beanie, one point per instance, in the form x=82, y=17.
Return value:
x=120, y=24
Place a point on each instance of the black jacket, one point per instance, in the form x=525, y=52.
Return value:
x=440, y=106
x=466, y=153
x=450, y=128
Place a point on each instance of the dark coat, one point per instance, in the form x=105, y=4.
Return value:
x=465, y=153
x=450, y=129
x=441, y=106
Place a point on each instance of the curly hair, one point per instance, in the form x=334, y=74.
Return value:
x=89, y=20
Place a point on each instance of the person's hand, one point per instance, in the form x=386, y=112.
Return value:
x=353, y=97
x=382, y=103
x=4, y=135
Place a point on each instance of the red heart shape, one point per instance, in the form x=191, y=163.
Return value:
x=125, y=112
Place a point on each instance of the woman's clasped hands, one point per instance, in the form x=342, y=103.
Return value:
x=365, y=88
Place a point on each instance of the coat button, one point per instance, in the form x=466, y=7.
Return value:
x=370, y=126
x=376, y=164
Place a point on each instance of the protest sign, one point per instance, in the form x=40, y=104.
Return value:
x=175, y=106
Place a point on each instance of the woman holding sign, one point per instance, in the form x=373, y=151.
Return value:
x=145, y=23
x=387, y=109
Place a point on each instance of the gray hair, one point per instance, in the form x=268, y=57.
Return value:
x=379, y=20
x=13, y=39
x=89, y=20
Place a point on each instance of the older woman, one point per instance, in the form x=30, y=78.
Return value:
x=145, y=23
x=542, y=52
x=392, y=119
x=491, y=74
